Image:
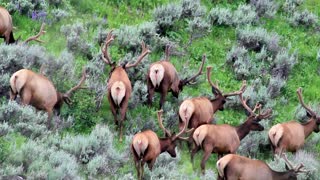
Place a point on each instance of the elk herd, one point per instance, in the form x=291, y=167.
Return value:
x=196, y=114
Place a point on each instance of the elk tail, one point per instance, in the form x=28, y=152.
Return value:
x=118, y=92
x=222, y=163
x=156, y=74
x=186, y=110
x=140, y=145
x=275, y=134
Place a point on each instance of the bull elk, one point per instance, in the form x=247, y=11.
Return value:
x=6, y=28
x=119, y=86
x=163, y=78
x=146, y=146
x=224, y=139
x=290, y=136
x=37, y=90
x=200, y=110
x=233, y=166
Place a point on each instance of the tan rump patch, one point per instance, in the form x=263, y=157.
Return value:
x=199, y=134
x=186, y=110
x=156, y=74
x=222, y=163
x=118, y=91
x=140, y=144
x=275, y=134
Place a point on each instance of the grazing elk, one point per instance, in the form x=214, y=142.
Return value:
x=290, y=136
x=200, y=110
x=224, y=139
x=6, y=28
x=119, y=86
x=146, y=146
x=233, y=166
x=163, y=77
x=37, y=90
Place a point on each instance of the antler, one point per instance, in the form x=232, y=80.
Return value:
x=104, y=48
x=216, y=88
x=188, y=80
x=35, y=38
x=296, y=169
x=160, y=123
x=144, y=52
x=267, y=113
x=167, y=52
x=312, y=113
x=78, y=86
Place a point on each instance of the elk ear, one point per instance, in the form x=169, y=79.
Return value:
x=308, y=114
x=214, y=91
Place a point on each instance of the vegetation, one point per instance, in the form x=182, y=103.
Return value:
x=273, y=44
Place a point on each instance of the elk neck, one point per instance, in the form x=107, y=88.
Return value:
x=164, y=144
x=216, y=103
x=281, y=175
x=309, y=126
x=243, y=130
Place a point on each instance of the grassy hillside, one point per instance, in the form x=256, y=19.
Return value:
x=274, y=45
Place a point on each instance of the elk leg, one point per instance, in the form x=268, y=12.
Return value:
x=123, y=111
x=151, y=163
x=142, y=169
x=194, y=151
x=49, y=111
x=150, y=94
x=163, y=98
x=13, y=95
x=207, y=153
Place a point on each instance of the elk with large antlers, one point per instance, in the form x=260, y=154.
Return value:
x=163, y=78
x=119, y=86
x=233, y=166
x=224, y=139
x=200, y=110
x=146, y=146
x=6, y=28
x=290, y=136
x=37, y=90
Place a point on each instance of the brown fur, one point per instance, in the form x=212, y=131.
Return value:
x=168, y=79
x=36, y=90
x=6, y=26
x=290, y=136
x=233, y=167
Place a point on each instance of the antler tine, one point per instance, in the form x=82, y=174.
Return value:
x=187, y=80
x=284, y=156
x=41, y=71
x=299, y=169
x=35, y=38
x=167, y=52
x=104, y=48
x=244, y=104
x=183, y=131
x=159, y=114
x=209, y=80
x=312, y=113
x=256, y=107
x=144, y=52
x=83, y=78
x=242, y=89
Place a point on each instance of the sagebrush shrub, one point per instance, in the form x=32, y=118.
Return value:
x=221, y=16
x=304, y=18
x=244, y=14
x=290, y=6
x=59, y=14
x=266, y=8
x=192, y=9
x=31, y=8
x=166, y=15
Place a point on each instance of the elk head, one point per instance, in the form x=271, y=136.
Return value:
x=253, y=118
x=220, y=98
x=168, y=143
x=292, y=172
x=66, y=97
x=310, y=113
x=189, y=80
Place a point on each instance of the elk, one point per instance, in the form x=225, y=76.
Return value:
x=200, y=110
x=37, y=90
x=163, y=77
x=290, y=136
x=119, y=86
x=146, y=146
x=233, y=166
x=225, y=139
x=6, y=28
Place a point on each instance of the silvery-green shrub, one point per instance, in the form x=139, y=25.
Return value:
x=266, y=8
x=304, y=18
x=166, y=15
